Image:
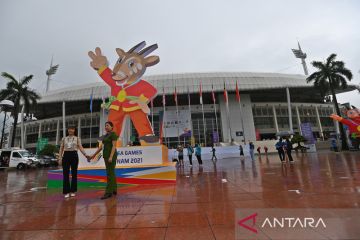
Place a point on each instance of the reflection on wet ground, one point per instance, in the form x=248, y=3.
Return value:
x=200, y=206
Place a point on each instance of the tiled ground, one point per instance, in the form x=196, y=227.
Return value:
x=200, y=206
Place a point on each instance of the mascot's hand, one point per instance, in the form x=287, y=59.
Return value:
x=143, y=105
x=97, y=59
x=336, y=117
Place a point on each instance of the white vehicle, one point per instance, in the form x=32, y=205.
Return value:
x=17, y=158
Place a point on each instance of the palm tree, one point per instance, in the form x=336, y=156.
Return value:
x=18, y=92
x=331, y=75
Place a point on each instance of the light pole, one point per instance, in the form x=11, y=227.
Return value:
x=6, y=106
x=300, y=54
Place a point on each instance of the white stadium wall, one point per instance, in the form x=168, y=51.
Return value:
x=235, y=121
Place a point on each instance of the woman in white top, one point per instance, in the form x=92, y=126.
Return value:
x=69, y=159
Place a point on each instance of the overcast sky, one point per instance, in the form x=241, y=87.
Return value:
x=193, y=36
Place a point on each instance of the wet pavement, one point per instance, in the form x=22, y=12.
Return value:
x=201, y=205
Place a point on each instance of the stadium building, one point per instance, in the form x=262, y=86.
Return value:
x=263, y=111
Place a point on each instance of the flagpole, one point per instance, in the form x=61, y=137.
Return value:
x=91, y=103
x=242, y=121
x=177, y=116
x=152, y=114
x=103, y=117
x=90, y=126
x=63, y=116
x=203, y=116
x=216, y=120
x=177, y=111
x=191, y=133
x=227, y=111
x=164, y=109
x=240, y=108
x=22, y=127
x=215, y=111
x=228, y=116
x=199, y=131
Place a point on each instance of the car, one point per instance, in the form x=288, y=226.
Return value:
x=47, y=161
x=17, y=158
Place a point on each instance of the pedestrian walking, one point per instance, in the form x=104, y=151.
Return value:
x=259, y=151
x=289, y=148
x=280, y=148
x=180, y=151
x=198, y=153
x=252, y=149
x=333, y=144
x=242, y=156
x=266, y=150
x=213, y=150
x=190, y=152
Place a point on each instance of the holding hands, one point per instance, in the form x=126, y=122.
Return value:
x=89, y=158
x=59, y=158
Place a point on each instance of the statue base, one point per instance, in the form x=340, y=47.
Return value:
x=135, y=166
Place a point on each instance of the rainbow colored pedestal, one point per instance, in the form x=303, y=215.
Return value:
x=142, y=165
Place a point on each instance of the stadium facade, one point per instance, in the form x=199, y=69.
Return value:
x=264, y=108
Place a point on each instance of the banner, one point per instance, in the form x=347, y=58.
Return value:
x=307, y=133
x=215, y=137
x=173, y=122
x=41, y=143
x=126, y=156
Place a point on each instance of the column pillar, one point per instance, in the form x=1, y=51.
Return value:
x=289, y=109
x=39, y=133
x=319, y=123
x=57, y=132
x=275, y=119
x=125, y=132
x=79, y=128
x=25, y=138
x=10, y=136
x=298, y=118
x=336, y=123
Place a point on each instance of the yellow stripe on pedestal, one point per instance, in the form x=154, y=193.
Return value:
x=170, y=175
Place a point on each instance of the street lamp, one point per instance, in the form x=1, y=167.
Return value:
x=6, y=106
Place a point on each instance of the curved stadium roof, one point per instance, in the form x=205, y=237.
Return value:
x=247, y=81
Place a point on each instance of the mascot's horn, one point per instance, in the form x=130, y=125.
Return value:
x=148, y=50
x=137, y=47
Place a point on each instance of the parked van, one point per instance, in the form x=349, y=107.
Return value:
x=19, y=158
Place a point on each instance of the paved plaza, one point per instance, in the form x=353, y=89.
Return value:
x=201, y=205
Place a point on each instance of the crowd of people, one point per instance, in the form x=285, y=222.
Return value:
x=284, y=149
x=190, y=151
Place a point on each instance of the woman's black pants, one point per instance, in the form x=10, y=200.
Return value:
x=70, y=161
x=199, y=159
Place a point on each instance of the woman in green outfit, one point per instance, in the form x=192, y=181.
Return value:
x=109, y=155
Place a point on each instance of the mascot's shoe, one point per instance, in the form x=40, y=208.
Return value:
x=150, y=139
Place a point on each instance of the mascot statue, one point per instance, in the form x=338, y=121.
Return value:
x=130, y=94
x=353, y=122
